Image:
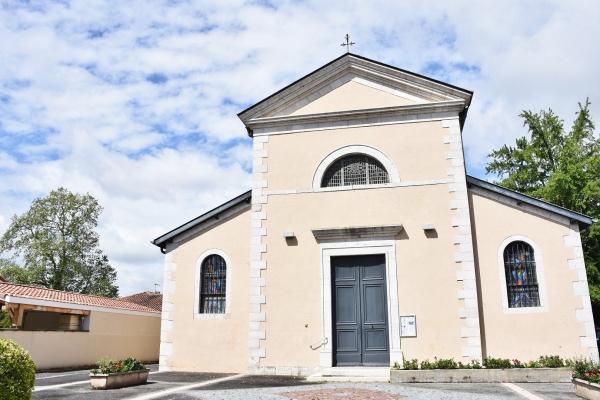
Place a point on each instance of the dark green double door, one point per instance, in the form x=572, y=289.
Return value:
x=359, y=299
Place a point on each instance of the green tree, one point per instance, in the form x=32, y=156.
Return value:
x=562, y=168
x=5, y=319
x=12, y=272
x=58, y=245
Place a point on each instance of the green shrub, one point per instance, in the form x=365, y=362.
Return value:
x=473, y=364
x=428, y=365
x=412, y=364
x=446, y=363
x=551, y=362
x=17, y=371
x=497, y=363
x=5, y=320
x=111, y=366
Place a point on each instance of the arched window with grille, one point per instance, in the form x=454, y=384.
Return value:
x=355, y=169
x=213, y=280
x=521, y=275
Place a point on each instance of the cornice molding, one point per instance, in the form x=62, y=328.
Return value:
x=357, y=232
x=353, y=117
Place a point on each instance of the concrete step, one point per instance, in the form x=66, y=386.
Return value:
x=352, y=374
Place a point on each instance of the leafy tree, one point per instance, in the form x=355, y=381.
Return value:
x=12, y=272
x=5, y=319
x=58, y=245
x=562, y=168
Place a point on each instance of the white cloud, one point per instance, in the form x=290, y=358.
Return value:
x=136, y=102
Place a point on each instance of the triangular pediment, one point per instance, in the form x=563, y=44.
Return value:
x=356, y=94
x=353, y=84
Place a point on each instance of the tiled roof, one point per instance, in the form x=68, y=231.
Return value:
x=40, y=293
x=146, y=299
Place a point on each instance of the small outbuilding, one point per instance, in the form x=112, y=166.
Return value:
x=64, y=329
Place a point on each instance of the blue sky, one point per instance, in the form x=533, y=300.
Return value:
x=135, y=102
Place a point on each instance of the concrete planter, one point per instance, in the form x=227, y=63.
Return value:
x=119, y=379
x=531, y=375
x=586, y=389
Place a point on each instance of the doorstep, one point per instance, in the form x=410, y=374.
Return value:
x=351, y=374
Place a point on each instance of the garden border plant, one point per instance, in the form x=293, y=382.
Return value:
x=586, y=370
x=447, y=370
x=109, y=366
x=488, y=363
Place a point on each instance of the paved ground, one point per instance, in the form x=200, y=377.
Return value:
x=207, y=386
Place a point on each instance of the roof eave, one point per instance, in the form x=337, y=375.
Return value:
x=15, y=299
x=582, y=220
x=161, y=241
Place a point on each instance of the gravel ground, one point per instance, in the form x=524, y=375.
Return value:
x=74, y=385
x=382, y=391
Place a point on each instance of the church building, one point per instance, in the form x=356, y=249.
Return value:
x=363, y=242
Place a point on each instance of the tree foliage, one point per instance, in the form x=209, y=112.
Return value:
x=58, y=245
x=559, y=167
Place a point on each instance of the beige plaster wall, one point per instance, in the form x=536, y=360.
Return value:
x=528, y=334
x=110, y=335
x=427, y=283
x=212, y=343
x=417, y=150
x=353, y=96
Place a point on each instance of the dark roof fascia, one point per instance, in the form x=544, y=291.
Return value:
x=364, y=59
x=583, y=220
x=162, y=240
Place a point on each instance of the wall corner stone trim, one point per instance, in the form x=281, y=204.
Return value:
x=464, y=256
x=166, y=325
x=256, y=333
x=581, y=289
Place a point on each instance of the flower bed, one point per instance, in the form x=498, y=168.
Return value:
x=586, y=378
x=545, y=369
x=483, y=375
x=112, y=374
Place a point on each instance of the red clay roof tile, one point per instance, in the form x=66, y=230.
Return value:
x=40, y=293
x=146, y=299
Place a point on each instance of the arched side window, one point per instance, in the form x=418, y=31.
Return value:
x=355, y=169
x=521, y=275
x=213, y=283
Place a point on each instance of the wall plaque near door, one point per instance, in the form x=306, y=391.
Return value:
x=408, y=325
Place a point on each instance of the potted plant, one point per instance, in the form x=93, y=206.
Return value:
x=586, y=378
x=112, y=374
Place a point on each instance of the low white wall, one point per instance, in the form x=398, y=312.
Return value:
x=114, y=336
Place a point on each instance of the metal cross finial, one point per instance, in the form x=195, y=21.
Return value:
x=348, y=43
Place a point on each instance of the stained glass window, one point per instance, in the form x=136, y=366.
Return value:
x=355, y=169
x=212, y=285
x=521, y=276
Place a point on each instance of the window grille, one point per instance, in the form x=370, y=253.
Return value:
x=521, y=276
x=355, y=169
x=212, y=285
